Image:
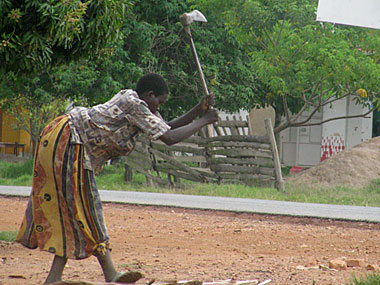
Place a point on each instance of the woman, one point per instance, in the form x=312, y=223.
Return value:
x=64, y=214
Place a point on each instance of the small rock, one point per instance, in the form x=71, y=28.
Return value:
x=324, y=267
x=15, y=276
x=300, y=267
x=311, y=261
x=355, y=262
x=338, y=264
x=373, y=267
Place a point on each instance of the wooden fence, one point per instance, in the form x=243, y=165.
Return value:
x=231, y=156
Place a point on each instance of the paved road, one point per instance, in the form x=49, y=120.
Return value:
x=340, y=212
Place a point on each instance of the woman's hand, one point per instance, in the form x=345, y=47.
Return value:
x=207, y=102
x=211, y=116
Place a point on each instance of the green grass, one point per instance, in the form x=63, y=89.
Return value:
x=17, y=174
x=9, y=236
x=15, y=170
x=367, y=279
x=112, y=178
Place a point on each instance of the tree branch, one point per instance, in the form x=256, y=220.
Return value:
x=303, y=124
x=299, y=114
x=288, y=124
x=259, y=41
x=282, y=28
x=286, y=108
x=328, y=101
x=304, y=96
x=270, y=39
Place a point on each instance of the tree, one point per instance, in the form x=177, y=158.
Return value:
x=33, y=108
x=304, y=65
x=38, y=41
x=155, y=42
x=36, y=34
x=152, y=41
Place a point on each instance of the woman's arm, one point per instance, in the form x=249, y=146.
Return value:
x=178, y=134
x=205, y=103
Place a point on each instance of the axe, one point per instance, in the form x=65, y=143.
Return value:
x=186, y=20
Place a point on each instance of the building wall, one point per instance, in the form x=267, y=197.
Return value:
x=358, y=129
x=257, y=118
x=341, y=134
x=302, y=146
x=307, y=146
x=12, y=136
x=334, y=132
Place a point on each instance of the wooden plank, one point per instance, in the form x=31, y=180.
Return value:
x=218, y=130
x=144, y=163
x=242, y=161
x=239, y=144
x=147, y=174
x=142, y=154
x=206, y=172
x=167, y=168
x=238, y=138
x=178, y=164
x=233, y=129
x=232, y=123
x=244, y=130
x=276, y=157
x=183, y=158
x=245, y=177
x=250, y=128
x=194, y=139
x=141, y=151
x=238, y=129
x=242, y=169
x=143, y=139
x=180, y=148
x=241, y=153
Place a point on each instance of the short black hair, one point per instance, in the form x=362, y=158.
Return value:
x=152, y=82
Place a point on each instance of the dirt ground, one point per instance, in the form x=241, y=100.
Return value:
x=355, y=167
x=181, y=244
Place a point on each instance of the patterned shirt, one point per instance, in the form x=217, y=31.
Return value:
x=111, y=129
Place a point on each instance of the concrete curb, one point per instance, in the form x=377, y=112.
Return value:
x=337, y=212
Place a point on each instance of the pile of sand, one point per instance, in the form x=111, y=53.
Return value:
x=354, y=168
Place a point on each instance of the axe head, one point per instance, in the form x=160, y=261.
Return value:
x=194, y=16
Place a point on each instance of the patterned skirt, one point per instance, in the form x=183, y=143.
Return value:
x=64, y=214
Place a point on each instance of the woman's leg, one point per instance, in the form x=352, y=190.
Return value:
x=56, y=269
x=110, y=273
x=106, y=263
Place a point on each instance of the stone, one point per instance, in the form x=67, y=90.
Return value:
x=337, y=264
x=355, y=262
x=311, y=261
x=373, y=267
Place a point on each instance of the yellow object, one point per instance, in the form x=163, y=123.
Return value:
x=8, y=134
x=64, y=215
x=362, y=92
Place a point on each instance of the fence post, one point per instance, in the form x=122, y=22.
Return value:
x=276, y=157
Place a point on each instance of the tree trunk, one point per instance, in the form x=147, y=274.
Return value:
x=128, y=173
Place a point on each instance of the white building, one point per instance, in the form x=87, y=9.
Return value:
x=307, y=146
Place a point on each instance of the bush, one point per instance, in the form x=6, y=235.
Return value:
x=368, y=279
x=9, y=236
x=14, y=170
